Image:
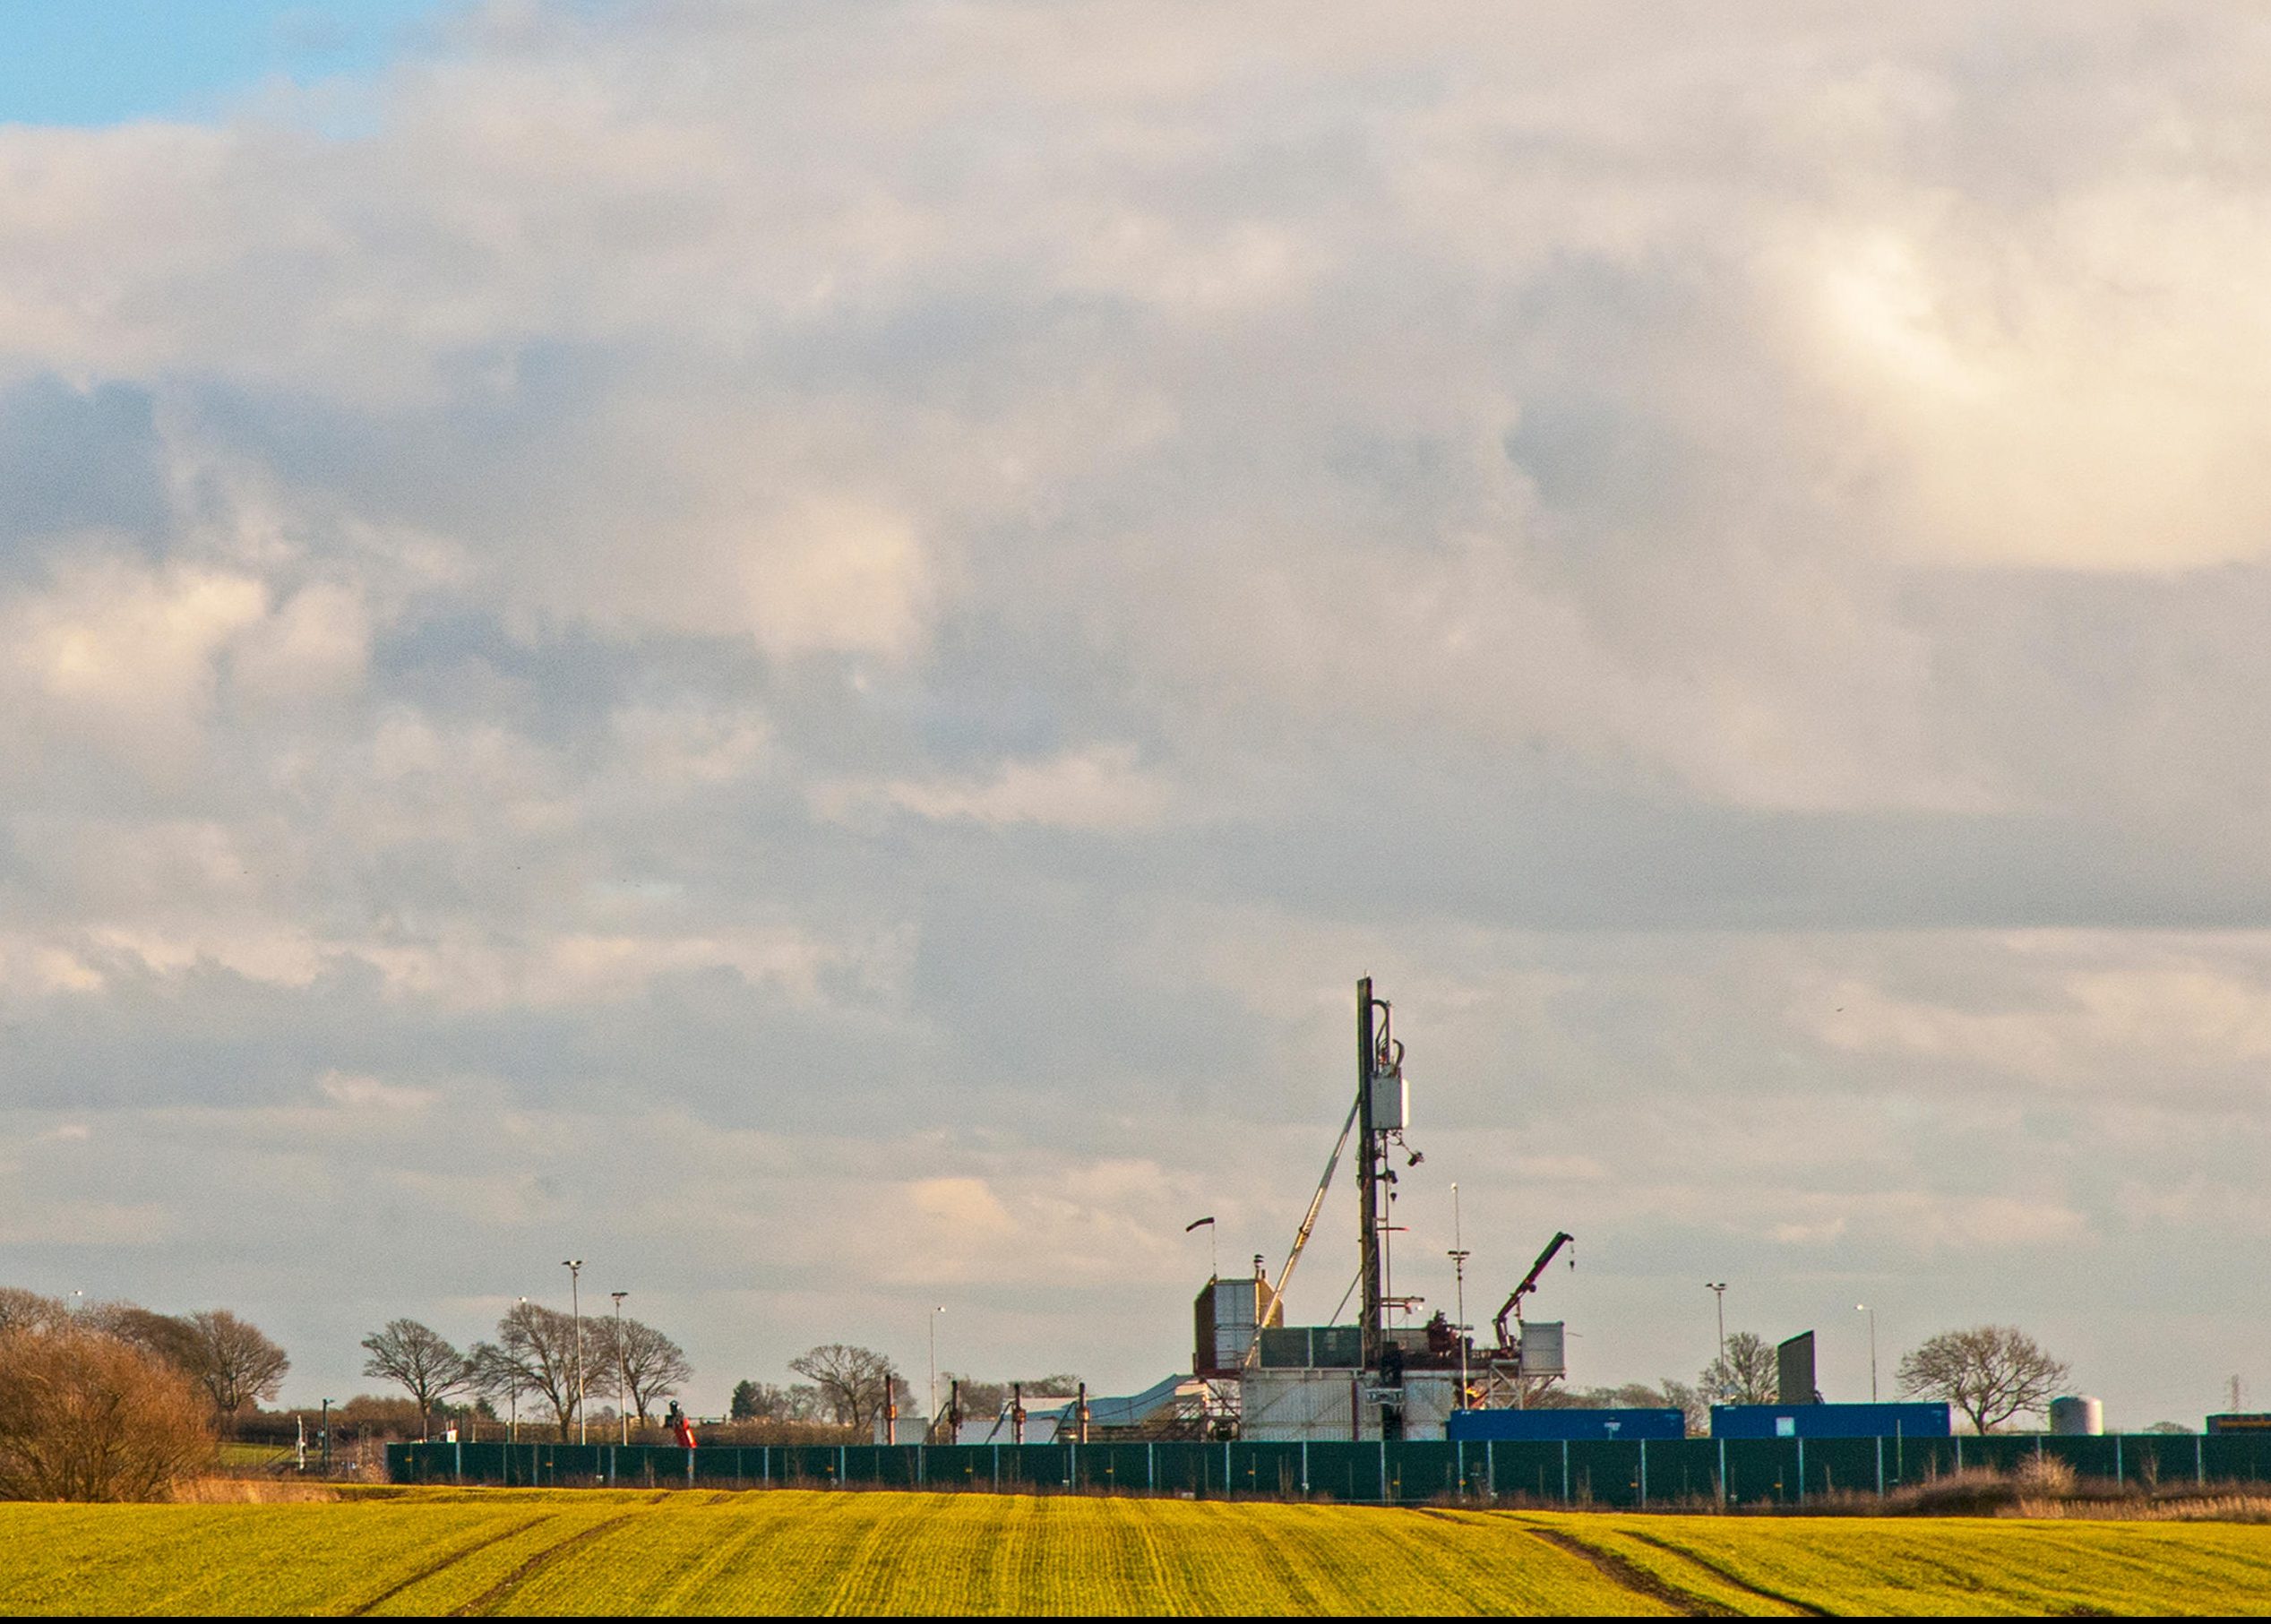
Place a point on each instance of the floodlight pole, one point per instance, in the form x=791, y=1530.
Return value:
x=574, y=1266
x=1865, y=1309
x=623, y=1369
x=1459, y=1263
x=934, y=1313
x=1719, y=1290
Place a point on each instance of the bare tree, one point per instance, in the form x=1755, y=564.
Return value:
x=535, y=1348
x=234, y=1361
x=855, y=1383
x=21, y=1310
x=228, y=1357
x=163, y=1335
x=498, y=1377
x=86, y=1416
x=646, y=1364
x=762, y=1401
x=1747, y=1373
x=1991, y=1372
x=422, y=1360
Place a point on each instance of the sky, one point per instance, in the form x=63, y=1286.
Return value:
x=799, y=648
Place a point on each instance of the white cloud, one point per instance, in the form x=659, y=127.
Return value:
x=1100, y=789
x=1666, y=540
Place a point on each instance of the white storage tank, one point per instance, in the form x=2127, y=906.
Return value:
x=2076, y=1416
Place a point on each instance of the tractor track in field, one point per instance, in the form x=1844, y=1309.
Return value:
x=448, y=1562
x=1740, y=1583
x=1637, y=1580
x=504, y=1588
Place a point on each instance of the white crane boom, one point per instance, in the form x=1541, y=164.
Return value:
x=1301, y=1237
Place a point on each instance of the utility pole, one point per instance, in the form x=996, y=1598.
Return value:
x=325, y=1439
x=574, y=1266
x=1459, y=1263
x=1719, y=1290
x=623, y=1369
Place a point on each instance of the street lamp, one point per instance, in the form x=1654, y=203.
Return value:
x=1458, y=1264
x=936, y=1312
x=1719, y=1289
x=1862, y=1308
x=513, y=1396
x=622, y=1369
x=574, y=1266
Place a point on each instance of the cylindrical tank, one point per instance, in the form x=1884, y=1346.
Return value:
x=2076, y=1417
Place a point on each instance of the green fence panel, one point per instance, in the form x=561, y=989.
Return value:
x=1595, y=1472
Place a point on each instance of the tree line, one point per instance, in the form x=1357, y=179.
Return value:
x=540, y=1354
x=230, y=1361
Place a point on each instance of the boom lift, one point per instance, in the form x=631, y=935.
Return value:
x=1530, y=1283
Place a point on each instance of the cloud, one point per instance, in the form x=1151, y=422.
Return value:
x=1099, y=789
x=872, y=611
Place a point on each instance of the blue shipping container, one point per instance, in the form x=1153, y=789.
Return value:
x=1830, y=1421
x=1508, y=1426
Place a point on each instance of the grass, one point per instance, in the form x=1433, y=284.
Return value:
x=442, y=1550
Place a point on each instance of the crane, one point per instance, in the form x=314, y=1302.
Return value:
x=1529, y=1282
x=1301, y=1240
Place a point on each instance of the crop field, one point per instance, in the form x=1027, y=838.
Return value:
x=433, y=1551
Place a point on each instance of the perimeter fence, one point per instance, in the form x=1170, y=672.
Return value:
x=1600, y=1473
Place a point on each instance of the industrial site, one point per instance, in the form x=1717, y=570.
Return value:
x=1380, y=1408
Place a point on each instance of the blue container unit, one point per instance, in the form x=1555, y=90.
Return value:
x=1830, y=1421
x=1548, y=1426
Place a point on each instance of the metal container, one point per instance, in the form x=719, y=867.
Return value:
x=1299, y=1405
x=1541, y=1348
x=1830, y=1421
x=2077, y=1416
x=1223, y=1320
x=1430, y=1400
x=1502, y=1426
x=1311, y=1346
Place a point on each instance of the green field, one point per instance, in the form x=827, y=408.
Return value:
x=563, y=1551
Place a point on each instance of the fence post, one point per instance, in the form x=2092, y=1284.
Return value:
x=1151, y=1468
x=765, y=1461
x=997, y=1468
x=2201, y=1460
x=1801, y=1471
x=921, y=1464
x=1723, y=1474
x=2117, y=1475
x=1489, y=1467
x=1881, y=1465
x=1383, y=1469
x=1304, y=1465
x=459, y=1457
x=1565, y=1472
